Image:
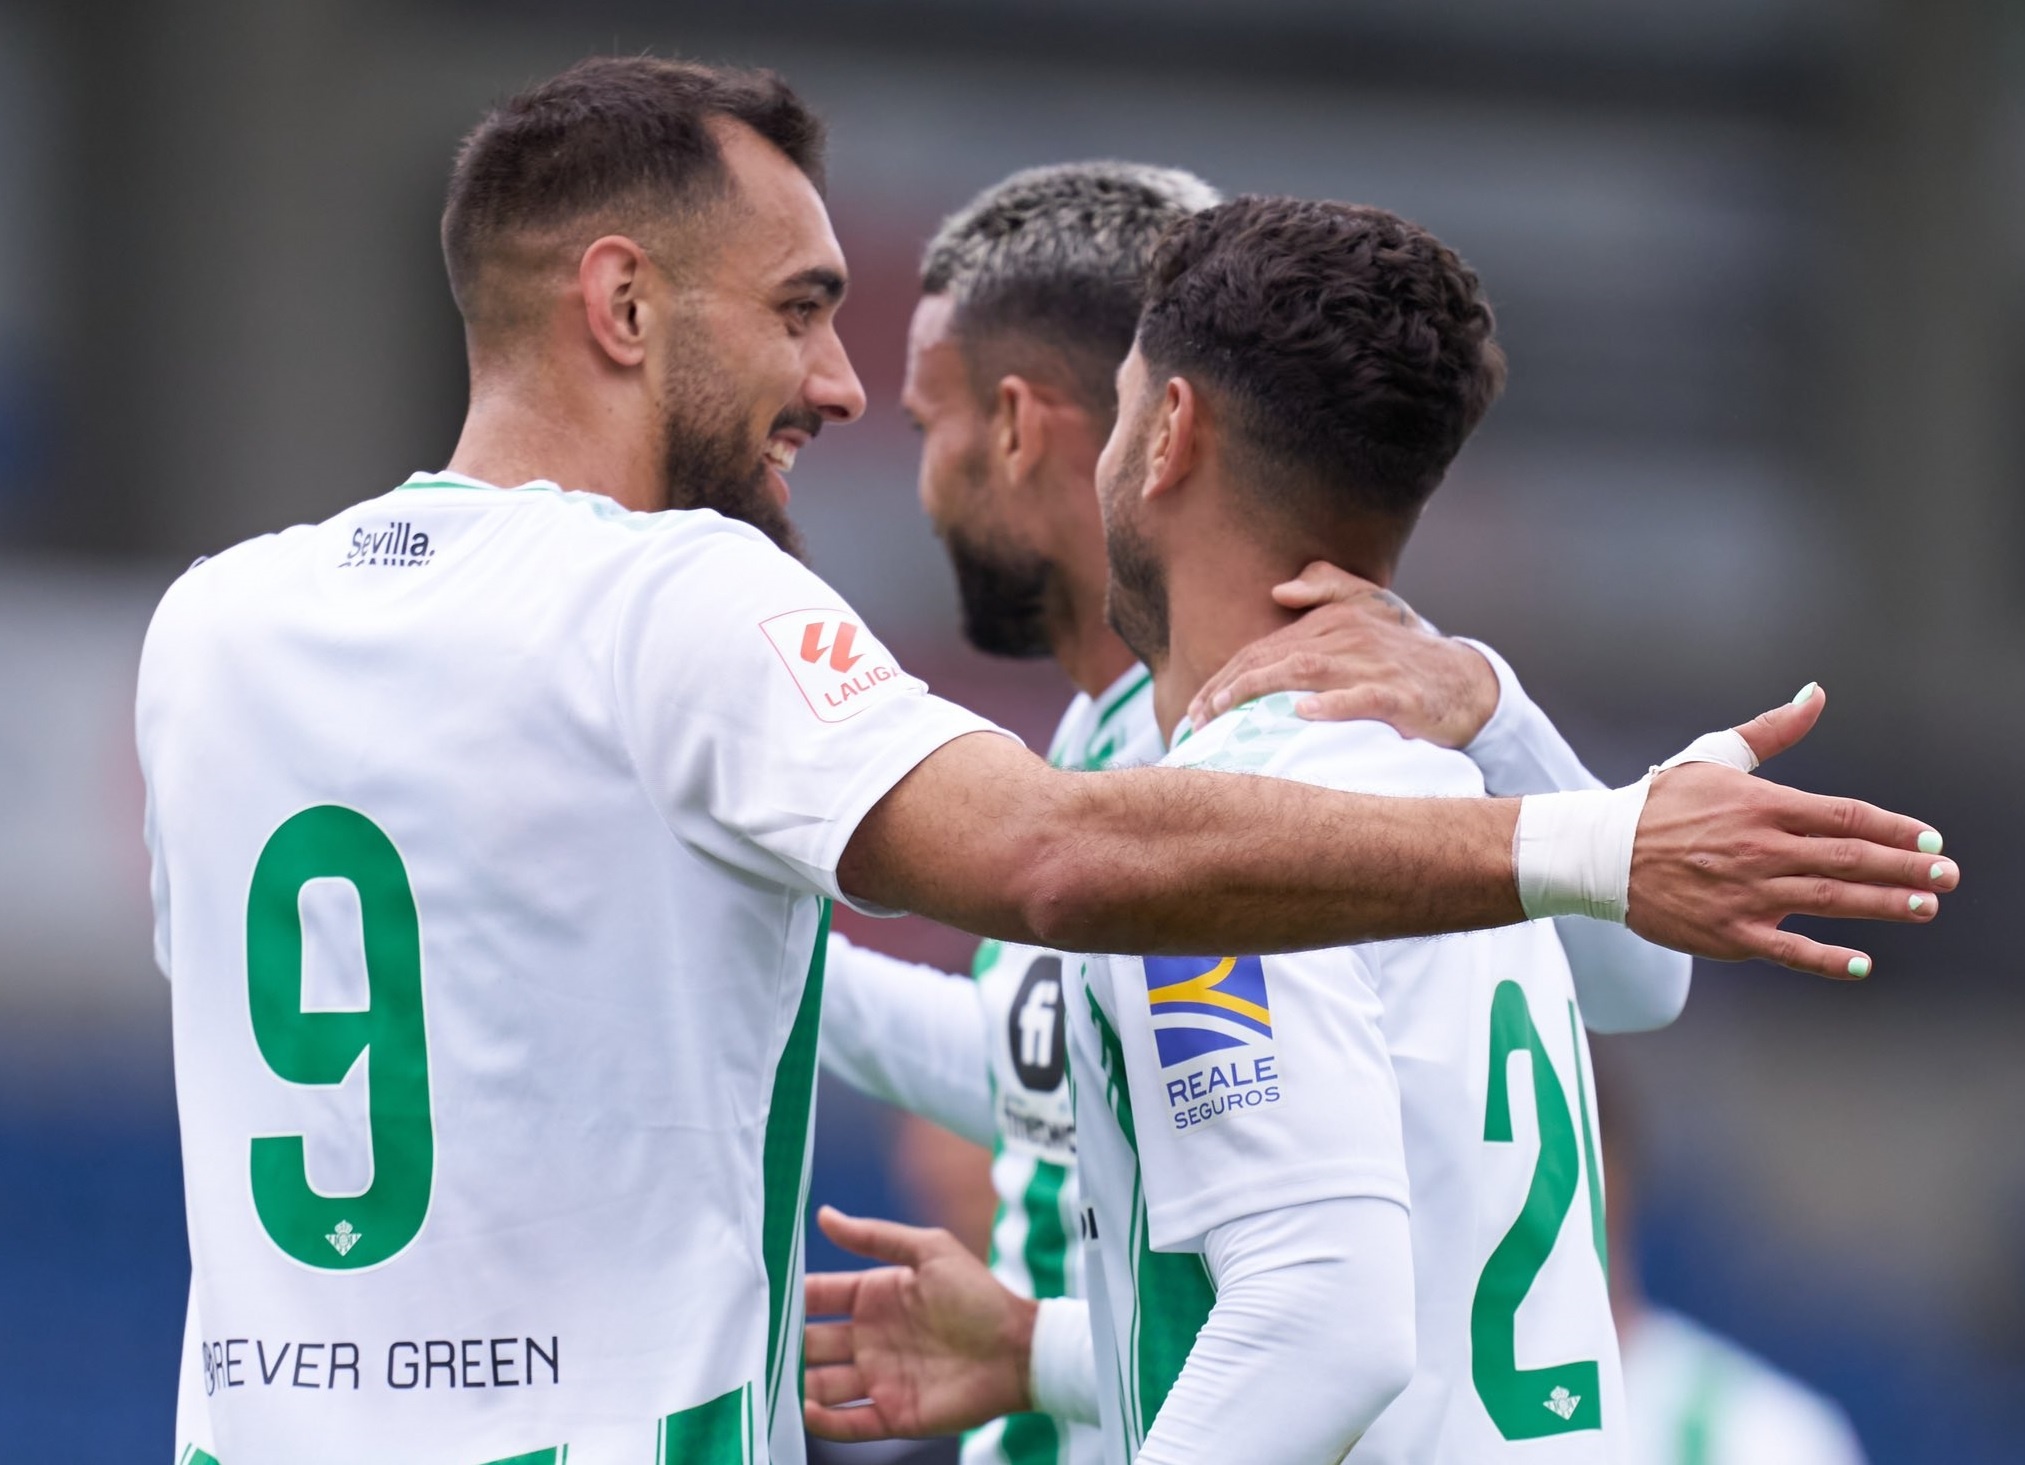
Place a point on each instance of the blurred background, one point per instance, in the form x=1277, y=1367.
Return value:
x=1760, y=272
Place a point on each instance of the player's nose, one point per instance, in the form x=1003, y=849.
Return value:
x=834, y=389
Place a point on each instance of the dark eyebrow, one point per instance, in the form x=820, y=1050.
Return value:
x=827, y=282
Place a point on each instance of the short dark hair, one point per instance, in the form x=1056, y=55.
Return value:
x=1057, y=257
x=1353, y=348
x=611, y=131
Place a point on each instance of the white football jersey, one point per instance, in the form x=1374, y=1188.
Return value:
x=1025, y=991
x=493, y=837
x=1449, y=1074
x=988, y=1060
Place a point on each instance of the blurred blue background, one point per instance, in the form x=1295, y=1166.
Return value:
x=1760, y=271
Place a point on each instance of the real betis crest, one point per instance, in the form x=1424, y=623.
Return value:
x=343, y=1238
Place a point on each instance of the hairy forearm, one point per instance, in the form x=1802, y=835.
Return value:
x=1172, y=860
x=1176, y=860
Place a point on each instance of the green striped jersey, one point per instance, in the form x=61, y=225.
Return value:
x=1035, y=1249
x=494, y=835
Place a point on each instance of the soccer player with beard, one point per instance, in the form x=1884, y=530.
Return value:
x=1030, y=299
x=1324, y=1206
x=495, y=820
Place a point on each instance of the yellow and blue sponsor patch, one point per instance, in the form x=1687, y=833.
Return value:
x=1202, y=1004
x=1213, y=1027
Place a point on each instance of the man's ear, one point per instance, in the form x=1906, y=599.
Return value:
x=613, y=277
x=1176, y=439
x=1020, y=428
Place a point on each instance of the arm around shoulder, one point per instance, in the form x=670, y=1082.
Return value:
x=984, y=836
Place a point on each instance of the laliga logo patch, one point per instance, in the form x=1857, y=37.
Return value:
x=1212, y=1019
x=835, y=662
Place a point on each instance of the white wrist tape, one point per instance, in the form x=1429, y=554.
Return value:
x=1062, y=1366
x=1571, y=853
x=1726, y=747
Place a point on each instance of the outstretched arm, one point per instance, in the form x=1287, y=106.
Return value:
x=1359, y=651
x=910, y=1035
x=984, y=836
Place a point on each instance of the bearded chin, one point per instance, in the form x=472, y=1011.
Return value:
x=1004, y=599
x=722, y=471
x=1136, y=602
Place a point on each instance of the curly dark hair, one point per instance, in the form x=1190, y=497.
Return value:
x=1352, y=349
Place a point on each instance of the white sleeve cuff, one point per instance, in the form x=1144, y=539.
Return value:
x=1520, y=751
x=1062, y=1367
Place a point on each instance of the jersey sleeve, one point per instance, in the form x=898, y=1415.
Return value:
x=1624, y=982
x=1256, y=1083
x=910, y=1035
x=763, y=716
x=1520, y=750
x=1312, y=1329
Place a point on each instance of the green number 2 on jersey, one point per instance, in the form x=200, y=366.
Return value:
x=342, y=1233
x=1530, y=1403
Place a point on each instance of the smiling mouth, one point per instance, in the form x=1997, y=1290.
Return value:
x=778, y=456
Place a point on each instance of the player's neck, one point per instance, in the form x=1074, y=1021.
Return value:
x=1214, y=612
x=514, y=434
x=1081, y=638
x=1220, y=600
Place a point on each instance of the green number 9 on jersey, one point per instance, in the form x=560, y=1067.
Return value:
x=341, y=1233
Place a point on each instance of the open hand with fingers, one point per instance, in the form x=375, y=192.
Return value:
x=1721, y=858
x=1361, y=652
x=929, y=1344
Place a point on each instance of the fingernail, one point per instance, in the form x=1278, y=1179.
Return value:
x=1806, y=694
x=1221, y=703
x=1916, y=901
x=1937, y=871
x=1308, y=707
x=1930, y=842
x=1859, y=966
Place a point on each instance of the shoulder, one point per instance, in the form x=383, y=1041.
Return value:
x=1115, y=730
x=711, y=555
x=717, y=586
x=1265, y=736
x=1072, y=732
x=669, y=535
x=1134, y=731
x=213, y=578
